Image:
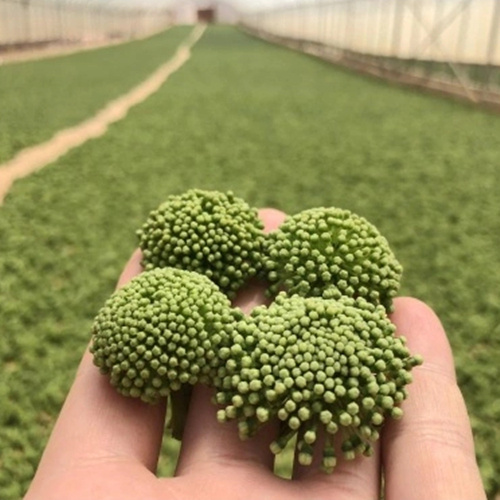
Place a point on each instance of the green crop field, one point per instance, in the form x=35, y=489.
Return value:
x=38, y=98
x=279, y=129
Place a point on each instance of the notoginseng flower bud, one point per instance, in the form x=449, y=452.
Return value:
x=161, y=331
x=212, y=233
x=330, y=252
x=320, y=363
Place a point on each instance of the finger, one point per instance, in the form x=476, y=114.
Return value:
x=208, y=442
x=132, y=268
x=351, y=479
x=429, y=453
x=96, y=423
x=271, y=218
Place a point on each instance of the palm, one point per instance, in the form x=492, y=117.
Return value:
x=221, y=479
x=105, y=446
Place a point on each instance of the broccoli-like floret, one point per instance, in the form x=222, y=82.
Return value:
x=323, y=358
x=331, y=252
x=312, y=363
x=161, y=333
x=215, y=234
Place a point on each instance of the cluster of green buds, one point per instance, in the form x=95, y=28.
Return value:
x=315, y=364
x=212, y=233
x=322, y=359
x=161, y=334
x=331, y=252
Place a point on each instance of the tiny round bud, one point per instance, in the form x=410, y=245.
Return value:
x=345, y=419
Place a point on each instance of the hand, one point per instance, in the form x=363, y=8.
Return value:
x=105, y=446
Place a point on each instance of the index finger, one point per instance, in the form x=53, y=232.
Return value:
x=429, y=453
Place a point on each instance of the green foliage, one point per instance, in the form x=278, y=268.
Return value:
x=38, y=98
x=280, y=129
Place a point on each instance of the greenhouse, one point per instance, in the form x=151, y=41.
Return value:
x=331, y=168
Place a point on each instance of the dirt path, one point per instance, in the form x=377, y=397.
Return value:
x=36, y=157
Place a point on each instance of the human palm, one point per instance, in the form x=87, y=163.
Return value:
x=106, y=447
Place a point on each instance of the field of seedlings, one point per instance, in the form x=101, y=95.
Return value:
x=62, y=91
x=278, y=128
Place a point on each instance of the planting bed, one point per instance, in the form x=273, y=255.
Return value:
x=280, y=129
x=38, y=98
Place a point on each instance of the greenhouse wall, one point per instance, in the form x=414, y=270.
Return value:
x=447, y=46
x=38, y=22
x=464, y=31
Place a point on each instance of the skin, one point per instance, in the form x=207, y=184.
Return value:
x=105, y=446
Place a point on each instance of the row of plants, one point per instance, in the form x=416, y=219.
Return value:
x=38, y=98
x=279, y=129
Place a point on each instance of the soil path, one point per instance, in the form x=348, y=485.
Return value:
x=36, y=157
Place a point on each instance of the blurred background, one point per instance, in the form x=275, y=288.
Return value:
x=388, y=108
x=447, y=45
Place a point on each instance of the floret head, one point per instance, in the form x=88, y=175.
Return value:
x=313, y=362
x=331, y=252
x=215, y=234
x=161, y=330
